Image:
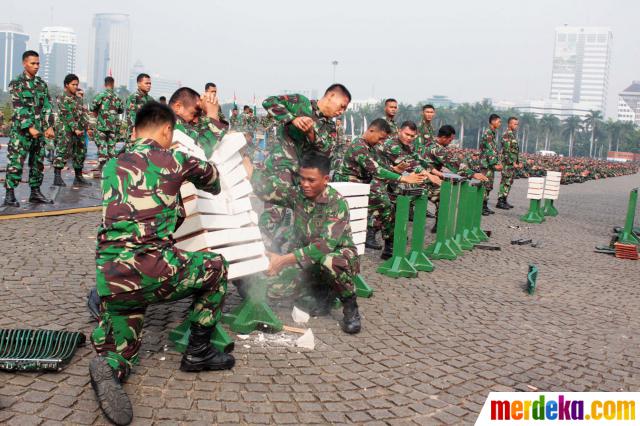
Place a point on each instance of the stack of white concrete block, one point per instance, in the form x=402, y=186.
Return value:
x=552, y=185
x=223, y=223
x=536, y=188
x=357, y=197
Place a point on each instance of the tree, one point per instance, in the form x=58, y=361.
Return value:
x=528, y=124
x=570, y=126
x=591, y=122
x=549, y=124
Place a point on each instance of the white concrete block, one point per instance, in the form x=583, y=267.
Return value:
x=248, y=267
x=357, y=202
x=187, y=144
x=242, y=251
x=535, y=196
x=349, y=189
x=358, y=225
x=213, y=239
x=230, y=144
x=550, y=196
x=240, y=190
x=359, y=237
x=230, y=164
x=356, y=214
x=240, y=205
x=188, y=189
x=360, y=248
x=196, y=205
x=205, y=222
x=234, y=177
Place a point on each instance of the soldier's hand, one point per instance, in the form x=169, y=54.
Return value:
x=49, y=133
x=303, y=123
x=78, y=132
x=90, y=133
x=209, y=104
x=437, y=173
x=412, y=178
x=480, y=177
x=401, y=167
x=33, y=132
x=434, y=179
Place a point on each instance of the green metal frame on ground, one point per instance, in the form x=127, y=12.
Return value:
x=627, y=235
x=398, y=264
x=549, y=209
x=445, y=245
x=532, y=277
x=219, y=338
x=533, y=215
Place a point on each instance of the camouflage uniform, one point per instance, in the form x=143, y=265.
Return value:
x=136, y=261
x=426, y=137
x=31, y=108
x=282, y=161
x=510, y=154
x=395, y=152
x=392, y=123
x=107, y=105
x=489, y=158
x=71, y=117
x=134, y=102
x=338, y=153
x=361, y=164
x=234, y=122
x=321, y=239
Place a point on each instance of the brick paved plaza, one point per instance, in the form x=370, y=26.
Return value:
x=430, y=351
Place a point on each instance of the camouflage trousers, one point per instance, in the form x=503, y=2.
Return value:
x=381, y=211
x=488, y=185
x=118, y=336
x=21, y=145
x=70, y=145
x=273, y=217
x=337, y=270
x=106, y=144
x=506, y=180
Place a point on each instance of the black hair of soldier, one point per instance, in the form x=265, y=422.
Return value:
x=162, y=98
x=510, y=119
x=69, y=78
x=427, y=106
x=410, y=124
x=30, y=53
x=154, y=114
x=184, y=95
x=209, y=84
x=141, y=76
x=338, y=88
x=380, y=124
x=493, y=117
x=446, y=131
x=246, y=108
x=386, y=101
x=318, y=161
x=109, y=81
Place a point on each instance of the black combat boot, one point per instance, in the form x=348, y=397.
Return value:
x=37, y=197
x=434, y=229
x=351, y=321
x=57, y=178
x=485, y=209
x=113, y=400
x=79, y=180
x=93, y=303
x=506, y=203
x=371, y=241
x=10, y=199
x=502, y=204
x=387, y=251
x=200, y=355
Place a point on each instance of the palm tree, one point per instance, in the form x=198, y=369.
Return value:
x=528, y=123
x=570, y=126
x=464, y=114
x=626, y=129
x=549, y=123
x=591, y=122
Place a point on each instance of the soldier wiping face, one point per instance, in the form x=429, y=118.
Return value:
x=156, y=122
x=314, y=180
x=334, y=102
x=31, y=65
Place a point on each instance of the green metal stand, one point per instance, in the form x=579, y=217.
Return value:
x=549, y=209
x=477, y=234
x=416, y=256
x=254, y=312
x=398, y=265
x=362, y=288
x=627, y=236
x=464, y=220
x=219, y=338
x=534, y=214
x=532, y=276
x=445, y=246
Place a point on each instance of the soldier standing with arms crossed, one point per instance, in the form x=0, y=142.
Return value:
x=135, y=101
x=107, y=107
x=510, y=162
x=489, y=159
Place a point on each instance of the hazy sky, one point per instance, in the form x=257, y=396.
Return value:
x=410, y=50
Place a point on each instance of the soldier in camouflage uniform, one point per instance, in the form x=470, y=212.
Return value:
x=510, y=162
x=341, y=146
x=70, y=127
x=303, y=126
x=135, y=101
x=213, y=90
x=399, y=153
x=489, y=158
x=107, y=107
x=390, y=111
x=31, y=122
x=234, y=120
x=361, y=163
x=138, y=265
x=322, y=245
x=426, y=132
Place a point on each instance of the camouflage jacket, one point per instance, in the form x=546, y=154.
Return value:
x=71, y=114
x=107, y=105
x=320, y=226
x=361, y=164
x=292, y=143
x=395, y=152
x=135, y=101
x=31, y=104
x=489, y=156
x=140, y=195
x=247, y=123
x=510, y=149
x=206, y=132
x=443, y=157
x=426, y=136
x=234, y=121
x=392, y=123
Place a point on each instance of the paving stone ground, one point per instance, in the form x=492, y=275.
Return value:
x=431, y=350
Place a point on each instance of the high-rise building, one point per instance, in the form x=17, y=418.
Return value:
x=58, y=47
x=580, y=71
x=13, y=43
x=629, y=103
x=109, y=49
